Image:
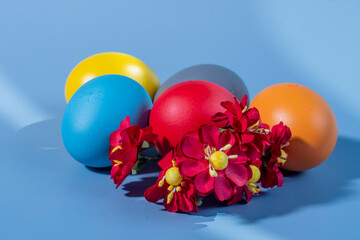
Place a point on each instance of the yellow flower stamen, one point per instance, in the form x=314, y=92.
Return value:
x=178, y=189
x=226, y=147
x=282, y=159
x=245, y=108
x=207, y=151
x=212, y=172
x=255, y=174
x=283, y=154
x=255, y=125
x=219, y=160
x=285, y=145
x=161, y=183
x=173, y=176
x=253, y=188
x=117, y=162
x=170, y=197
x=116, y=148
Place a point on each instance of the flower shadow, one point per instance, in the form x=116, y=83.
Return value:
x=137, y=188
x=323, y=184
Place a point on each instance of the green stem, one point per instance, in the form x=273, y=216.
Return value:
x=149, y=158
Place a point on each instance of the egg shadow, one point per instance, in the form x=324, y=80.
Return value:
x=104, y=170
x=42, y=141
x=323, y=184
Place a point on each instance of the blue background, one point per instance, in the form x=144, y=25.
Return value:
x=44, y=194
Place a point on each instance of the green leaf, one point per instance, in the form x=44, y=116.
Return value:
x=140, y=165
x=145, y=145
x=222, y=129
x=199, y=201
x=133, y=171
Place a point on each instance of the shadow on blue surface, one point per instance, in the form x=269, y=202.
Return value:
x=324, y=184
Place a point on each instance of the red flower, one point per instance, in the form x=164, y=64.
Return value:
x=214, y=161
x=125, y=144
x=237, y=115
x=252, y=134
x=271, y=174
x=178, y=193
x=249, y=189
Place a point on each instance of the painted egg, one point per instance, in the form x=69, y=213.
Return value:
x=185, y=107
x=211, y=73
x=96, y=110
x=111, y=63
x=310, y=118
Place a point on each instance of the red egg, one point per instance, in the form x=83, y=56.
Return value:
x=185, y=107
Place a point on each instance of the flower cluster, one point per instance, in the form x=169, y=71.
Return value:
x=125, y=145
x=230, y=158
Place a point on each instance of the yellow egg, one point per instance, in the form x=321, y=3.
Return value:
x=111, y=63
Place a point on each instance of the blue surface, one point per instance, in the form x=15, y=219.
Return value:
x=47, y=195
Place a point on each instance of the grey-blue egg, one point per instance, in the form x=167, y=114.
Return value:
x=208, y=72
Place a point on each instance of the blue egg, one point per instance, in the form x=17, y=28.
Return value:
x=96, y=110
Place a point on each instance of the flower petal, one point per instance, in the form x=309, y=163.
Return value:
x=220, y=119
x=226, y=137
x=209, y=135
x=125, y=123
x=115, y=138
x=190, y=168
x=247, y=137
x=148, y=135
x=154, y=193
x=165, y=162
x=204, y=183
x=229, y=106
x=162, y=144
x=237, y=173
x=173, y=206
x=248, y=194
x=237, y=195
x=192, y=148
x=130, y=156
x=223, y=189
x=253, y=116
x=186, y=204
x=244, y=100
x=116, y=155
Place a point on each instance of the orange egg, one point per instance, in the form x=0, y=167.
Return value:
x=310, y=118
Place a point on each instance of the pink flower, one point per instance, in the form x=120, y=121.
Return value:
x=214, y=161
x=125, y=145
x=271, y=174
x=178, y=193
